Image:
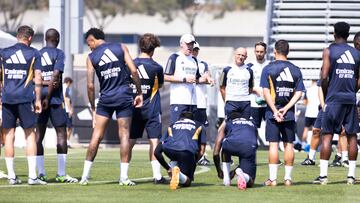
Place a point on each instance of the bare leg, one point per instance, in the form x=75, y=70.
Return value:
x=289, y=154
x=124, y=136
x=97, y=135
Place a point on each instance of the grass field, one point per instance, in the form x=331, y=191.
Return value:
x=207, y=187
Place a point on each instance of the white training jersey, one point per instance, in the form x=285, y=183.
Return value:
x=313, y=102
x=257, y=70
x=237, y=81
x=182, y=66
x=201, y=89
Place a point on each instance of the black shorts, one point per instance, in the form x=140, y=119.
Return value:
x=309, y=121
x=185, y=159
x=276, y=132
x=151, y=125
x=258, y=115
x=24, y=112
x=201, y=117
x=57, y=115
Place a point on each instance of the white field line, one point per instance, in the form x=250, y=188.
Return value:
x=203, y=169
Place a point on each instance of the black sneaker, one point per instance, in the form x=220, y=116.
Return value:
x=322, y=180
x=162, y=180
x=336, y=162
x=308, y=162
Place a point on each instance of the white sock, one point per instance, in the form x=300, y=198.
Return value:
x=324, y=164
x=32, y=166
x=226, y=172
x=40, y=164
x=124, y=168
x=288, y=170
x=238, y=171
x=273, y=168
x=61, y=159
x=156, y=169
x=312, y=154
x=10, y=167
x=352, y=167
x=344, y=155
x=87, y=168
x=172, y=164
x=182, y=178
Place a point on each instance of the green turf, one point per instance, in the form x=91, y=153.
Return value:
x=207, y=187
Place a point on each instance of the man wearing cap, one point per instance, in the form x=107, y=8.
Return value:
x=183, y=73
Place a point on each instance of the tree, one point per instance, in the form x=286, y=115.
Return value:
x=13, y=11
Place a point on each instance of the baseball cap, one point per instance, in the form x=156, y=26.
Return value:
x=196, y=45
x=187, y=38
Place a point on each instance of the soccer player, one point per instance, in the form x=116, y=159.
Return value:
x=236, y=84
x=201, y=95
x=149, y=115
x=340, y=82
x=357, y=41
x=238, y=137
x=312, y=102
x=113, y=66
x=21, y=68
x=183, y=144
x=67, y=93
x=182, y=72
x=258, y=103
x=52, y=61
x=282, y=86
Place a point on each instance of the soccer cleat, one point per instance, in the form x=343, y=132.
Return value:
x=84, y=181
x=287, y=182
x=162, y=180
x=280, y=163
x=322, y=180
x=241, y=182
x=345, y=163
x=43, y=177
x=14, y=181
x=3, y=175
x=126, y=182
x=336, y=162
x=203, y=161
x=175, y=178
x=269, y=182
x=36, y=181
x=350, y=180
x=308, y=162
x=65, y=179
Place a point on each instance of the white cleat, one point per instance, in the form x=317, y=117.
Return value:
x=36, y=181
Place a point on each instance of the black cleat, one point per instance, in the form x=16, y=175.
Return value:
x=322, y=180
x=308, y=162
x=336, y=162
x=162, y=180
x=203, y=161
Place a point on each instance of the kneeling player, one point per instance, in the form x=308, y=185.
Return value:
x=237, y=137
x=184, y=143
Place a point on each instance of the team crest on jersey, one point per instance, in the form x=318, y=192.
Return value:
x=176, y=108
x=107, y=57
x=346, y=58
x=17, y=58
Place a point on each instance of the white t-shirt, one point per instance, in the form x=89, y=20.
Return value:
x=201, y=89
x=312, y=107
x=182, y=66
x=237, y=81
x=257, y=70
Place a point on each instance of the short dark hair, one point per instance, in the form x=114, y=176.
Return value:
x=148, y=42
x=52, y=35
x=24, y=32
x=282, y=47
x=96, y=33
x=68, y=79
x=357, y=36
x=263, y=44
x=341, y=29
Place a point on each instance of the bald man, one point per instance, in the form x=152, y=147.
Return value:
x=236, y=84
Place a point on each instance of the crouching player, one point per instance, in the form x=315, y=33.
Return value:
x=237, y=137
x=184, y=144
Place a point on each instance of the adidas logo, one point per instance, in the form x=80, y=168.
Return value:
x=17, y=58
x=107, y=57
x=142, y=72
x=346, y=58
x=45, y=60
x=285, y=75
